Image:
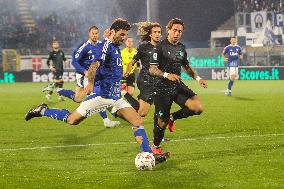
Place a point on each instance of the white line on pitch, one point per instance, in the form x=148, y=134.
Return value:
x=123, y=143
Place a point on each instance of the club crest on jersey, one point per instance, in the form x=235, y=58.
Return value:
x=116, y=52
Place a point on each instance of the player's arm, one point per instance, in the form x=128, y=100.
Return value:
x=241, y=54
x=76, y=58
x=66, y=62
x=223, y=54
x=194, y=75
x=48, y=63
x=129, y=67
x=91, y=76
x=186, y=66
x=154, y=69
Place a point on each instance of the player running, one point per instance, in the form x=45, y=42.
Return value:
x=82, y=58
x=150, y=34
x=104, y=73
x=168, y=58
x=231, y=54
x=57, y=57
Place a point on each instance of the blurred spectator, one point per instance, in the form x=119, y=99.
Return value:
x=258, y=5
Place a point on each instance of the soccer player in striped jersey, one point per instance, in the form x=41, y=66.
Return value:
x=82, y=58
x=104, y=73
x=231, y=54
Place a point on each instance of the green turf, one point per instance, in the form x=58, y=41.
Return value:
x=235, y=143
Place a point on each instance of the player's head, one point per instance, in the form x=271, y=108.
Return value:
x=107, y=33
x=129, y=42
x=94, y=34
x=149, y=31
x=233, y=40
x=55, y=45
x=175, y=28
x=119, y=30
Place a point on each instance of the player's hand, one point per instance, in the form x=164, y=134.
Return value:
x=52, y=69
x=203, y=83
x=126, y=74
x=225, y=59
x=89, y=88
x=173, y=77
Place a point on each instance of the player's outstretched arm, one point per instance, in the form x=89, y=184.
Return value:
x=194, y=75
x=91, y=76
x=155, y=71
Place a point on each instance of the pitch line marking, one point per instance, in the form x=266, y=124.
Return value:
x=123, y=143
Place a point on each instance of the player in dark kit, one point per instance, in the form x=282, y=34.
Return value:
x=104, y=81
x=168, y=58
x=57, y=57
x=151, y=34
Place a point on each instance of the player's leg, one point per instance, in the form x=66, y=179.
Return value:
x=107, y=122
x=130, y=81
x=190, y=105
x=125, y=111
x=233, y=72
x=58, y=114
x=161, y=118
x=59, y=85
x=145, y=98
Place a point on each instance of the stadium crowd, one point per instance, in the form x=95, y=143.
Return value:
x=258, y=5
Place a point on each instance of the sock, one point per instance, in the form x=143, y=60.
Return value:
x=158, y=135
x=140, y=132
x=57, y=114
x=67, y=93
x=103, y=114
x=133, y=102
x=230, y=85
x=183, y=113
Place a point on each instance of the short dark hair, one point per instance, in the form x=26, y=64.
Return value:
x=120, y=24
x=55, y=41
x=174, y=21
x=93, y=27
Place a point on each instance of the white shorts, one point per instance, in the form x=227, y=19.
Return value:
x=99, y=104
x=81, y=80
x=234, y=71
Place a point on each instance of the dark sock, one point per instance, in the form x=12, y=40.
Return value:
x=133, y=102
x=158, y=135
x=183, y=113
x=59, y=85
x=230, y=84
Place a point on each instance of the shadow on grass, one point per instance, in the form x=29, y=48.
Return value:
x=243, y=98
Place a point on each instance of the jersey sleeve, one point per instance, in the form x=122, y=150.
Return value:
x=138, y=55
x=103, y=51
x=185, y=60
x=240, y=51
x=225, y=50
x=63, y=56
x=77, y=56
x=48, y=59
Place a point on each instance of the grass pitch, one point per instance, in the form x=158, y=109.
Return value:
x=238, y=142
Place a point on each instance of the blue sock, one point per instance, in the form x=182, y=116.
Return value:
x=230, y=84
x=67, y=93
x=57, y=114
x=103, y=114
x=145, y=147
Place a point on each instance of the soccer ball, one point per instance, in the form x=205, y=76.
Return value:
x=145, y=161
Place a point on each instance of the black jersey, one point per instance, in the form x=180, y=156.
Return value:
x=169, y=58
x=144, y=53
x=57, y=58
